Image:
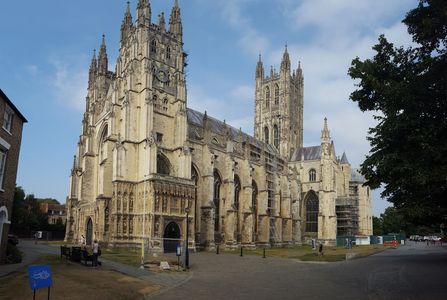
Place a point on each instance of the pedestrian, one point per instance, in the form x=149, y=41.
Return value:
x=320, y=249
x=95, y=253
x=82, y=240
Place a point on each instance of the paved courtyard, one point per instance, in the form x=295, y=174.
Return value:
x=414, y=271
x=409, y=272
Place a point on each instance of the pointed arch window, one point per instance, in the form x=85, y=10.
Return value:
x=102, y=141
x=254, y=205
x=163, y=165
x=216, y=200
x=267, y=96
x=153, y=46
x=237, y=190
x=276, y=94
x=276, y=136
x=168, y=52
x=312, y=213
x=312, y=175
x=266, y=134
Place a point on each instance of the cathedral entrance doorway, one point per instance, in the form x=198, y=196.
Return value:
x=171, y=237
x=89, y=232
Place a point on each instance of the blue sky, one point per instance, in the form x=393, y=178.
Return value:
x=46, y=47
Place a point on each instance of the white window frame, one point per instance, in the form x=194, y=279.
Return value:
x=8, y=117
x=3, y=156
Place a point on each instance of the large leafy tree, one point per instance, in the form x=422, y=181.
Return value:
x=406, y=88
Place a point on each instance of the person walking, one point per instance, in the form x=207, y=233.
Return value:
x=95, y=253
x=320, y=249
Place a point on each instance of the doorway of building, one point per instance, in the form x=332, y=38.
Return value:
x=89, y=233
x=171, y=237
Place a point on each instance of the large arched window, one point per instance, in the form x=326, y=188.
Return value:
x=276, y=94
x=102, y=148
x=163, y=165
x=153, y=46
x=276, y=136
x=254, y=205
x=195, y=179
x=267, y=96
x=216, y=200
x=266, y=134
x=312, y=175
x=312, y=212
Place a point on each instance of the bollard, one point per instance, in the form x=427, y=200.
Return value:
x=217, y=249
x=263, y=256
x=242, y=250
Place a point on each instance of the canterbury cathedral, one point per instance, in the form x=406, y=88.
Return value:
x=148, y=167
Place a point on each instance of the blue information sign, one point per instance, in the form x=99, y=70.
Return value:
x=39, y=276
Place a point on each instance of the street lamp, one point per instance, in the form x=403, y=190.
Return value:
x=187, y=238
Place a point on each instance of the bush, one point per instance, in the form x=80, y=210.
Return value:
x=13, y=255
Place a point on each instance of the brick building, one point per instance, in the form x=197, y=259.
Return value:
x=10, y=140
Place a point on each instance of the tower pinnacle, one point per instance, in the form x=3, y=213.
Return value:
x=325, y=134
x=127, y=25
x=175, y=21
x=259, y=68
x=143, y=13
x=102, y=58
x=285, y=63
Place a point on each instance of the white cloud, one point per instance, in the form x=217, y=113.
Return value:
x=244, y=93
x=32, y=70
x=251, y=40
x=69, y=83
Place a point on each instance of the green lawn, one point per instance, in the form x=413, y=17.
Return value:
x=305, y=253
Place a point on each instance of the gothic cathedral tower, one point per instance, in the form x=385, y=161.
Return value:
x=279, y=107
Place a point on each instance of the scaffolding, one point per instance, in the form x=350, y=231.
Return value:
x=347, y=216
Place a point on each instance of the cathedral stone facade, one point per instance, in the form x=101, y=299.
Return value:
x=147, y=167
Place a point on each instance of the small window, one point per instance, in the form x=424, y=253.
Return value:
x=276, y=136
x=266, y=134
x=3, y=153
x=168, y=52
x=153, y=46
x=267, y=97
x=276, y=94
x=312, y=175
x=7, y=119
x=159, y=137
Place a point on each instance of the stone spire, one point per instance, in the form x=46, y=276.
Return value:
x=175, y=21
x=260, y=68
x=127, y=25
x=161, y=21
x=325, y=134
x=285, y=63
x=344, y=159
x=93, y=70
x=143, y=13
x=299, y=71
x=102, y=58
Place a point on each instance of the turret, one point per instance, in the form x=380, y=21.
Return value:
x=102, y=58
x=285, y=63
x=127, y=25
x=325, y=134
x=259, y=69
x=175, y=21
x=161, y=21
x=143, y=13
x=93, y=70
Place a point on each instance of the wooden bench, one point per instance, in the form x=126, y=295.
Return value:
x=65, y=252
x=87, y=257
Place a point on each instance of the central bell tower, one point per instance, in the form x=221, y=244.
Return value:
x=279, y=106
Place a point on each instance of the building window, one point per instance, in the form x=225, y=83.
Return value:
x=312, y=213
x=153, y=46
x=254, y=205
x=7, y=119
x=267, y=96
x=216, y=200
x=266, y=134
x=276, y=94
x=276, y=136
x=163, y=166
x=312, y=175
x=237, y=190
x=168, y=52
x=3, y=153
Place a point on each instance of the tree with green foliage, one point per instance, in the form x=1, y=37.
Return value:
x=377, y=226
x=406, y=88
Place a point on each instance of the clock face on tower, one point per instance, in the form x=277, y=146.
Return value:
x=162, y=75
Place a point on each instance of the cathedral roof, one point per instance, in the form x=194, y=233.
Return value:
x=309, y=153
x=356, y=176
x=196, y=119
